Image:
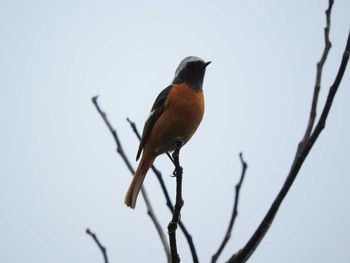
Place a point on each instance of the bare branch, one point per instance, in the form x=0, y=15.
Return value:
x=331, y=95
x=178, y=204
x=301, y=154
x=320, y=65
x=234, y=212
x=101, y=247
x=169, y=203
x=120, y=150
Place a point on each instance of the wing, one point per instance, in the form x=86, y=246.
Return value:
x=156, y=111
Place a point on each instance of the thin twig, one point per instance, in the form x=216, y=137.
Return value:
x=234, y=212
x=98, y=243
x=175, y=258
x=169, y=203
x=320, y=65
x=302, y=152
x=120, y=150
x=331, y=95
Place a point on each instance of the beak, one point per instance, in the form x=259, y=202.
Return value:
x=207, y=63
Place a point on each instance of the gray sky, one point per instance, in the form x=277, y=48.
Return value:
x=59, y=170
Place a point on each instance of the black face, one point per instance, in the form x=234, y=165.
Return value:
x=192, y=74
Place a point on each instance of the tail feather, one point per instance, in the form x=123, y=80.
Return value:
x=136, y=183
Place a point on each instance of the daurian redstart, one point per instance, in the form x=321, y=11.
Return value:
x=176, y=113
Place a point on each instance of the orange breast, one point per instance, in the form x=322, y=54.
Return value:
x=184, y=109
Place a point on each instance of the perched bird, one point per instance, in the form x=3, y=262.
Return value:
x=176, y=113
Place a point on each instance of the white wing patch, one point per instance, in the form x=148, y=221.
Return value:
x=149, y=115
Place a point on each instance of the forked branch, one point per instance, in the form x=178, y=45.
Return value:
x=302, y=152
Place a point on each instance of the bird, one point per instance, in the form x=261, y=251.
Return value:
x=176, y=114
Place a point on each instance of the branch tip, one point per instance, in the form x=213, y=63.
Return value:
x=234, y=211
x=98, y=243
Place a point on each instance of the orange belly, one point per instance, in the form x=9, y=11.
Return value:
x=184, y=109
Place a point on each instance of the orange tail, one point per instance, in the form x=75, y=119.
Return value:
x=136, y=183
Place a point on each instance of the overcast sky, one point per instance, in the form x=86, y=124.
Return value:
x=59, y=169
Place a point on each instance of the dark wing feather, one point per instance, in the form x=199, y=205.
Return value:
x=156, y=111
